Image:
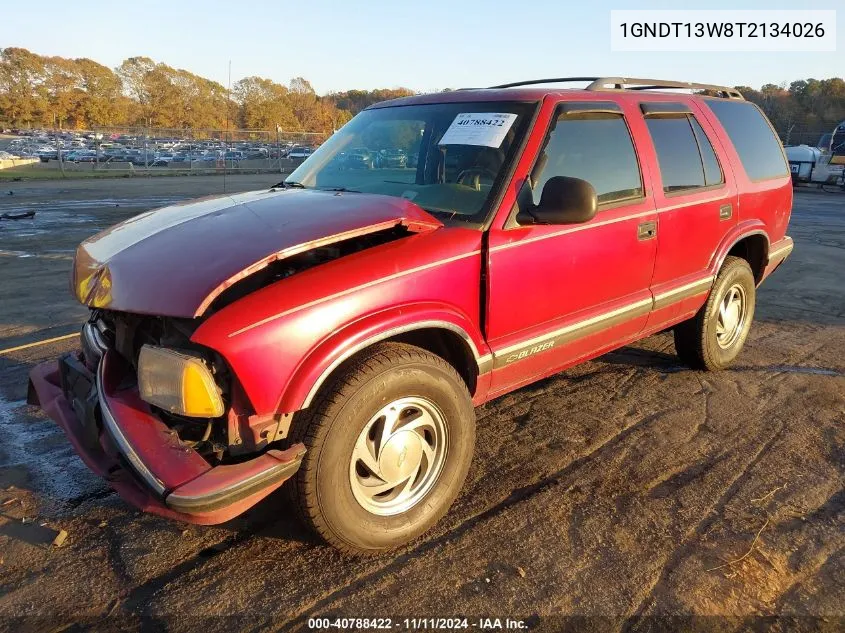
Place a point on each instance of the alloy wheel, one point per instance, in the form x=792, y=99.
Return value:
x=398, y=456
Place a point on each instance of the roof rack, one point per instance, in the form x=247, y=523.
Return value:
x=630, y=83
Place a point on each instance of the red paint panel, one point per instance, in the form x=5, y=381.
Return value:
x=159, y=448
x=768, y=202
x=543, y=278
x=269, y=335
x=223, y=477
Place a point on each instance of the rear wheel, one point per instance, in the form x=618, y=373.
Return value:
x=389, y=444
x=715, y=336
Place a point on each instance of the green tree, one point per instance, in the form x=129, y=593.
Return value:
x=103, y=102
x=22, y=97
x=134, y=75
x=264, y=104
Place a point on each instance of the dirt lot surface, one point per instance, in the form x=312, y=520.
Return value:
x=626, y=493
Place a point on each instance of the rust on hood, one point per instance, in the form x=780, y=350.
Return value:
x=175, y=261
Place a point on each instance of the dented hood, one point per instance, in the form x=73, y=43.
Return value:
x=175, y=261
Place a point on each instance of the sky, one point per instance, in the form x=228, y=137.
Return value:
x=424, y=45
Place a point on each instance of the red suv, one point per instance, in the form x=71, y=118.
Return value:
x=339, y=328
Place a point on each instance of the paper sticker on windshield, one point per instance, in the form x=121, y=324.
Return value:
x=479, y=128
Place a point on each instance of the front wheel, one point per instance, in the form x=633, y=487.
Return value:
x=389, y=442
x=714, y=337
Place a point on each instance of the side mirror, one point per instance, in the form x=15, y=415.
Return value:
x=566, y=200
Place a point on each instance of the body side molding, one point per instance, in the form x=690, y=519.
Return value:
x=782, y=251
x=571, y=332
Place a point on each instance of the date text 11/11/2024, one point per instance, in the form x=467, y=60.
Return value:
x=417, y=624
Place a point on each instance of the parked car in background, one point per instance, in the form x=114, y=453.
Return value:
x=299, y=153
x=360, y=158
x=79, y=155
x=162, y=159
x=393, y=158
x=46, y=155
x=87, y=156
x=114, y=154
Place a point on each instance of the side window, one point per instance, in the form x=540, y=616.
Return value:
x=684, y=153
x=712, y=171
x=595, y=147
x=759, y=150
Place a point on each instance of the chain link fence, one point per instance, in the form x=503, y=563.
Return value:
x=815, y=136
x=151, y=151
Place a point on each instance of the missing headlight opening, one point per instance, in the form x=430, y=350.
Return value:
x=300, y=262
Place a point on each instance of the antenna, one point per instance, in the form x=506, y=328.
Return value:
x=226, y=133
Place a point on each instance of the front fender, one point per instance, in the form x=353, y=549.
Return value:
x=271, y=335
x=325, y=358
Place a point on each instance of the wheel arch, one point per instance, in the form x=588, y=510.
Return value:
x=754, y=249
x=749, y=242
x=448, y=334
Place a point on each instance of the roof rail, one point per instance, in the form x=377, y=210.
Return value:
x=557, y=80
x=630, y=83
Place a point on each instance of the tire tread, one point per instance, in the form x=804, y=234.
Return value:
x=691, y=335
x=313, y=425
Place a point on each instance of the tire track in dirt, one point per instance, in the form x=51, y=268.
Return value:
x=516, y=497
x=136, y=598
x=711, y=515
x=803, y=577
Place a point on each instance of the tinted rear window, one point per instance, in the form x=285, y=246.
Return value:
x=754, y=140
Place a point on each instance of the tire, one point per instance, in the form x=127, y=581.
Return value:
x=329, y=490
x=703, y=341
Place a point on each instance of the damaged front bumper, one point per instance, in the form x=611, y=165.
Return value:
x=120, y=439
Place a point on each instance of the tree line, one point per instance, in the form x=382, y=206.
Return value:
x=806, y=105
x=37, y=91
x=56, y=92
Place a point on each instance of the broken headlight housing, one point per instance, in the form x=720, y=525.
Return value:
x=179, y=383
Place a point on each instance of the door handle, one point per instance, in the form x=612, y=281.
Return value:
x=647, y=230
x=726, y=211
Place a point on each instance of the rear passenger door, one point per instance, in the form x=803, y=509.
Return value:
x=558, y=293
x=696, y=200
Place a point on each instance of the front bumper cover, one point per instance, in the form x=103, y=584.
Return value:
x=120, y=439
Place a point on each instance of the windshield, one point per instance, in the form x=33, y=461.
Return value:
x=449, y=158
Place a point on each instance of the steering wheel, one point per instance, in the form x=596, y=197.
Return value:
x=474, y=174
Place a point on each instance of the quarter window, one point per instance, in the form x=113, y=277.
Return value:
x=595, y=147
x=684, y=153
x=759, y=150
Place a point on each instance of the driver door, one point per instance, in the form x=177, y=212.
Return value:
x=557, y=294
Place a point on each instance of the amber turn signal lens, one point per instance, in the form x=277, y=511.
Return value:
x=178, y=383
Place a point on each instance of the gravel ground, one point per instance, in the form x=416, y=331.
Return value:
x=627, y=493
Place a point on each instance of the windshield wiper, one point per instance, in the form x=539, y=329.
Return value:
x=446, y=213
x=343, y=189
x=288, y=184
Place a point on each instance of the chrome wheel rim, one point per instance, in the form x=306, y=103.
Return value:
x=730, y=320
x=398, y=456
